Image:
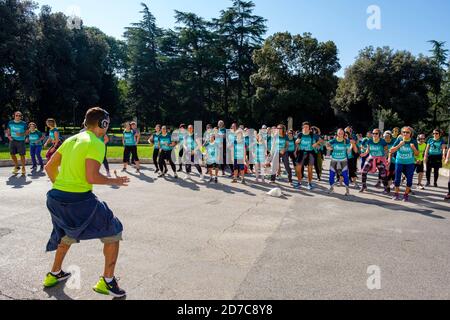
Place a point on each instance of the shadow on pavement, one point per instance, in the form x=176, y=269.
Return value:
x=18, y=182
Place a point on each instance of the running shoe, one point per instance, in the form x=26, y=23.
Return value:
x=138, y=171
x=357, y=186
x=161, y=175
x=211, y=180
x=297, y=185
x=243, y=182
x=202, y=177
x=363, y=189
x=33, y=168
x=331, y=191
x=447, y=198
x=387, y=191
x=109, y=289
x=216, y=180
x=52, y=280
x=124, y=170
x=396, y=197
x=309, y=186
x=157, y=171
x=175, y=176
x=378, y=185
x=42, y=169
x=420, y=187
x=428, y=184
x=436, y=185
x=234, y=181
x=15, y=171
x=406, y=198
x=108, y=174
x=24, y=171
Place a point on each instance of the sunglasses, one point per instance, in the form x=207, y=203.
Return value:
x=376, y=133
x=436, y=133
x=406, y=132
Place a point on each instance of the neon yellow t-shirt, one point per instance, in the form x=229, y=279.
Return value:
x=74, y=152
x=422, y=149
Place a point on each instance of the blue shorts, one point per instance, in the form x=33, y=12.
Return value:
x=238, y=166
x=78, y=217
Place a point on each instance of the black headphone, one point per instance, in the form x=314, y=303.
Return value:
x=104, y=122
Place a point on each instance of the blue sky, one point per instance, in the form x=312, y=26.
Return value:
x=405, y=24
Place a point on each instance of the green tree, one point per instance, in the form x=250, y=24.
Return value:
x=439, y=57
x=295, y=78
x=240, y=33
x=143, y=74
x=383, y=79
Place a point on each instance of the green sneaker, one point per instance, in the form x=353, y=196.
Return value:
x=52, y=280
x=109, y=289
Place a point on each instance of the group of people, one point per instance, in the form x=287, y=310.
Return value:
x=19, y=133
x=396, y=155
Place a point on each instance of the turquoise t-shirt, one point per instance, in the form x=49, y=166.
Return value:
x=165, y=142
x=435, y=147
x=239, y=150
x=307, y=141
x=156, y=140
x=212, y=151
x=291, y=147
x=261, y=152
x=35, y=137
x=390, y=146
x=280, y=143
x=129, y=137
x=52, y=133
x=340, y=149
x=190, y=142
x=17, y=128
x=405, y=155
x=377, y=149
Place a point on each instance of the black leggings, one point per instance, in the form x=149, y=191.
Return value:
x=180, y=155
x=197, y=166
x=105, y=160
x=353, y=167
x=434, y=163
x=130, y=150
x=155, y=158
x=166, y=156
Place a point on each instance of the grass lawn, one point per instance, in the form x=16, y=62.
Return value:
x=114, y=152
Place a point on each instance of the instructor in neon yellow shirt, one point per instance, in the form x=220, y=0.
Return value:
x=77, y=214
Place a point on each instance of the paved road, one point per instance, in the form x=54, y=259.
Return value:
x=191, y=240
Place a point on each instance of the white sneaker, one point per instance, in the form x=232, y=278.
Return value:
x=202, y=177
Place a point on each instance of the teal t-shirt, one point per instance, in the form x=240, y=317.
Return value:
x=35, y=137
x=405, y=155
x=129, y=137
x=239, y=150
x=390, y=146
x=156, y=140
x=165, y=142
x=212, y=151
x=52, y=133
x=261, y=152
x=16, y=129
x=340, y=149
x=190, y=142
x=435, y=147
x=307, y=141
x=377, y=149
x=291, y=147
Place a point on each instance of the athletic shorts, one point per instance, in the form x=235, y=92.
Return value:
x=420, y=168
x=306, y=158
x=130, y=150
x=108, y=240
x=238, y=167
x=17, y=147
x=212, y=166
x=81, y=217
